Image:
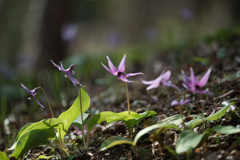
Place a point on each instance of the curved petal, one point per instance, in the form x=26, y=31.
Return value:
x=204, y=79
x=111, y=65
x=73, y=80
x=154, y=85
x=172, y=85
x=133, y=74
x=124, y=79
x=109, y=70
x=56, y=65
x=174, y=103
x=121, y=67
x=41, y=106
x=192, y=77
x=25, y=87
x=184, y=102
x=166, y=75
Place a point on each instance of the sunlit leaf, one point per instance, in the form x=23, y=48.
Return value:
x=36, y=134
x=113, y=141
x=193, y=123
x=188, y=140
x=3, y=156
x=163, y=126
x=74, y=111
x=129, y=119
x=53, y=123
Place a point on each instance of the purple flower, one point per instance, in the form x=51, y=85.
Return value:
x=33, y=94
x=193, y=83
x=162, y=79
x=181, y=103
x=119, y=73
x=80, y=132
x=69, y=72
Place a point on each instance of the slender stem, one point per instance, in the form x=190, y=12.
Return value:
x=80, y=97
x=127, y=98
x=202, y=111
x=47, y=101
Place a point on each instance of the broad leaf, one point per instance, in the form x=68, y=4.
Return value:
x=3, y=156
x=129, y=119
x=74, y=111
x=193, y=123
x=53, y=123
x=30, y=140
x=162, y=126
x=113, y=141
x=32, y=135
x=225, y=129
x=188, y=140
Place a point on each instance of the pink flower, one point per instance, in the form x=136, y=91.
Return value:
x=33, y=94
x=119, y=73
x=162, y=79
x=193, y=83
x=69, y=72
x=181, y=103
x=80, y=132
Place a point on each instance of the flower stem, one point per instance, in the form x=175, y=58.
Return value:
x=80, y=97
x=130, y=130
x=47, y=101
x=127, y=98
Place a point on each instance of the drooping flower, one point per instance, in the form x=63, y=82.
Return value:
x=119, y=73
x=69, y=72
x=193, y=83
x=181, y=103
x=162, y=79
x=33, y=94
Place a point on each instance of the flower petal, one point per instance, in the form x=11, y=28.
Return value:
x=56, y=65
x=192, y=77
x=25, y=87
x=41, y=106
x=166, y=75
x=133, y=74
x=124, y=79
x=204, y=79
x=172, y=85
x=121, y=67
x=174, y=103
x=109, y=70
x=156, y=84
x=111, y=65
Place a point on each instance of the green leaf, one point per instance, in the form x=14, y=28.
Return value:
x=188, y=140
x=32, y=139
x=225, y=129
x=3, y=156
x=193, y=123
x=78, y=120
x=53, y=123
x=129, y=119
x=74, y=111
x=163, y=126
x=113, y=141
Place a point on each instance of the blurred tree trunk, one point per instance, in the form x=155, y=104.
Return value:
x=51, y=44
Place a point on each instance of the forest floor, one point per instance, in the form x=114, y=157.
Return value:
x=222, y=56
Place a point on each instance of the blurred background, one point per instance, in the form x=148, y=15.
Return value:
x=85, y=31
